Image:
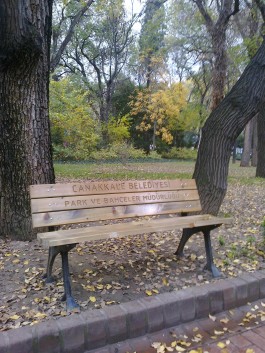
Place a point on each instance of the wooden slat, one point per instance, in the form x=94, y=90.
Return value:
x=82, y=202
x=109, y=187
x=212, y=221
x=69, y=236
x=88, y=215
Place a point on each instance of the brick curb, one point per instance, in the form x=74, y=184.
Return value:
x=94, y=329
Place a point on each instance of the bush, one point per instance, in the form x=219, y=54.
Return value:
x=154, y=155
x=65, y=154
x=120, y=151
x=180, y=153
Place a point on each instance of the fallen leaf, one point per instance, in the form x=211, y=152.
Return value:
x=221, y=345
x=14, y=317
x=213, y=318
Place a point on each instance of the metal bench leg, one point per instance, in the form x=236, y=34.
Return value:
x=209, y=255
x=70, y=302
x=53, y=252
x=186, y=234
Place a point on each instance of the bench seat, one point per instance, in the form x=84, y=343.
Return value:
x=117, y=209
x=110, y=231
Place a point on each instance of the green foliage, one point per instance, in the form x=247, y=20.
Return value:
x=118, y=129
x=221, y=240
x=72, y=122
x=180, y=153
x=64, y=154
x=118, y=151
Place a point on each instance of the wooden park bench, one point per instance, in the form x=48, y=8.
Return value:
x=75, y=203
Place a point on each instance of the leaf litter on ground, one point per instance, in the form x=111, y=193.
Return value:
x=119, y=270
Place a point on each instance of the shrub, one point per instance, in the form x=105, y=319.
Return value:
x=120, y=151
x=180, y=153
x=65, y=154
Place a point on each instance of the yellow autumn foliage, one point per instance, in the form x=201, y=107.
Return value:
x=161, y=110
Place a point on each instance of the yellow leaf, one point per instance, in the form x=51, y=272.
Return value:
x=221, y=345
x=250, y=350
x=148, y=292
x=218, y=332
x=155, y=291
x=40, y=315
x=165, y=281
x=193, y=257
x=180, y=349
x=14, y=317
x=92, y=299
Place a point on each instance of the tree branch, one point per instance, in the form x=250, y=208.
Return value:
x=76, y=19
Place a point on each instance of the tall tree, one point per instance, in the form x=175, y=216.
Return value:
x=217, y=31
x=152, y=38
x=260, y=171
x=242, y=103
x=25, y=146
x=249, y=25
x=99, y=53
x=68, y=17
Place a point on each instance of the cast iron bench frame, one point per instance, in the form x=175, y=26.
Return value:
x=92, y=201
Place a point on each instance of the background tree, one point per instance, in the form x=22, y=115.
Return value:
x=217, y=31
x=160, y=112
x=249, y=24
x=151, y=41
x=98, y=54
x=25, y=145
x=260, y=171
x=73, y=125
x=242, y=103
x=67, y=16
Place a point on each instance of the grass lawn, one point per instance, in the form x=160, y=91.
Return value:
x=147, y=170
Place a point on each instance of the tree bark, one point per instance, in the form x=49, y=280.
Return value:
x=225, y=123
x=260, y=171
x=248, y=135
x=254, y=158
x=25, y=144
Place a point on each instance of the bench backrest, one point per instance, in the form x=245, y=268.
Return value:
x=70, y=203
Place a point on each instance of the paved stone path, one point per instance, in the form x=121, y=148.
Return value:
x=240, y=330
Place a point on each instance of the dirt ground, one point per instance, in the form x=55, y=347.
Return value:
x=119, y=270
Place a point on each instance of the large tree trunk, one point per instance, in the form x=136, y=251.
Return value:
x=248, y=135
x=254, y=158
x=219, y=71
x=244, y=101
x=25, y=145
x=260, y=171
